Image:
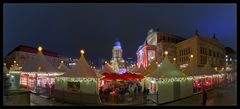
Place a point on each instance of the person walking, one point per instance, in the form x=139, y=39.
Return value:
x=204, y=95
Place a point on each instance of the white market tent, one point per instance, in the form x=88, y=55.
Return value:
x=192, y=70
x=107, y=69
x=5, y=70
x=43, y=68
x=170, y=82
x=209, y=70
x=39, y=64
x=140, y=70
x=79, y=82
x=63, y=67
x=166, y=70
x=152, y=67
x=81, y=69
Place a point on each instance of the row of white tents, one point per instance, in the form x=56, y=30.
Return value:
x=82, y=81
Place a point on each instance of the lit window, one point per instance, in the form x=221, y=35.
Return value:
x=230, y=59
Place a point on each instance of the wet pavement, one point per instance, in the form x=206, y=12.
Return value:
x=222, y=96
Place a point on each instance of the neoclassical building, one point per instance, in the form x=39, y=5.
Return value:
x=117, y=60
x=154, y=46
x=203, y=49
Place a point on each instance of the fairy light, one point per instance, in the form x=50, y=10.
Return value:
x=166, y=52
x=82, y=52
x=40, y=49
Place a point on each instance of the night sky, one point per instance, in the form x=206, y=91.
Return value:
x=66, y=28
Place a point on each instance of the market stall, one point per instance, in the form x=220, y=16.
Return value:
x=38, y=75
x=63, y=67
x=79, y=82
x=140, y=70
x=14, y=74
x=169, y=82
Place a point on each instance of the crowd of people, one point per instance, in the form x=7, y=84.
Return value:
x=131, y=88
x=117, y=91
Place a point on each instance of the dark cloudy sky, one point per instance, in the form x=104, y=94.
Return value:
x=65, y=28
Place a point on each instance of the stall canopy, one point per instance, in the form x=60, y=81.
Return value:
x=140, y=70
x=81, y=69
x=63, y=67
x=5, y=69
x=166, y=70
x=39, y=64
x=192, y=70
x=107, y=69
x=209, y=70
x=152, y=67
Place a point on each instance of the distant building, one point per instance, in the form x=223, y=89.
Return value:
x=23, y=54
x=204, y=49
x=154, y=46
x=69, y=61
x=231, y=59
x=117, y=60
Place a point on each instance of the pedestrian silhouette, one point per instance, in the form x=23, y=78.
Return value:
x=204, y=95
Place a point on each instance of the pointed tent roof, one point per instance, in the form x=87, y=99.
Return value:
x=166, y=70
x=81, y=69
x=208, y=69
x=134, y=68
x=15, y=68
x=192, y=70
x=107, y=69
x=5, y=69
x=63, y=67
x=141, y=69
x=152, y=67
x=40, y=64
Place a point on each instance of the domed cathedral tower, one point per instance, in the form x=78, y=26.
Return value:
x=117, y=61
x=117, y=51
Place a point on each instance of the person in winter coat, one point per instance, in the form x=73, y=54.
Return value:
x=204, y=95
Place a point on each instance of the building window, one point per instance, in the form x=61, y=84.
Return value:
x=201, y=60
x=210, y=52
x=213, y=53
x=168, y=39
x=164, y=38
x=172, y=40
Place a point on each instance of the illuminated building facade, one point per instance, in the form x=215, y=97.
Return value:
x=117, y=62
x=23, y=54
x=204, y=49
x=231, y=59
x=155, y=45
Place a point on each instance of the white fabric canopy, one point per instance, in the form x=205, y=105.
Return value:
x=63, y=68
x=141, y=69
x=152, y=67
x=15, y=68
x=107, y=69
x=166, y=70
x=39, y=64
x=5, y=70
x=192, y=70
x=208, y=69
x=81, y=69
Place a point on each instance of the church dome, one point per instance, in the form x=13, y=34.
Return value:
x=117, y=43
